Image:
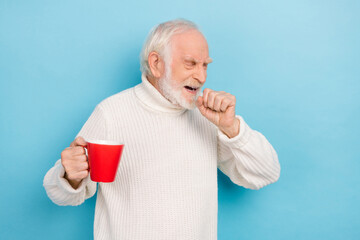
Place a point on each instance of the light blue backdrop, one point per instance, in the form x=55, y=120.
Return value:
x=294, y=67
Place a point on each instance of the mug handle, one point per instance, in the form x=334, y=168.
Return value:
x=87, y=156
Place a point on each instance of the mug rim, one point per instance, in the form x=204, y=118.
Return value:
x=104, y=142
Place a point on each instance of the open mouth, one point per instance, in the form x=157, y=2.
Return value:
x=191, y=89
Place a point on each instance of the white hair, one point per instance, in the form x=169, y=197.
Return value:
x=158, y=41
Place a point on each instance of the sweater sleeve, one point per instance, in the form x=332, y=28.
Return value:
x=248, y=159
x=57, y=187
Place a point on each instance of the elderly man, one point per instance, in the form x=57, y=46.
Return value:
x=166, y=183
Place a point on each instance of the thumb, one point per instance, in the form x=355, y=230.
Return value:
x=200, y=104
x=79, y=141
x=199, y=101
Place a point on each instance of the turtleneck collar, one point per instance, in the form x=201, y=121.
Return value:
x=153, y=99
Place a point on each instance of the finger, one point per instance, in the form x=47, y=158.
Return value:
x=83, y=174
x=73, y=167
x=200, y=105
x=205, y=96
x=217, y=102
x=66, y=153
x=76, y=151
x=79, y=141
x=199, y=101
x=232, y=100
x=211, y=99
x=225, y=104
x=77, y=175
x=80, y=158
x=83, y=166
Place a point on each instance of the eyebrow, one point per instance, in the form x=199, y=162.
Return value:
x=207, y=61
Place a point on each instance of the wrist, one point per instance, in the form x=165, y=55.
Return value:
x=233, y=130
x=73, y=183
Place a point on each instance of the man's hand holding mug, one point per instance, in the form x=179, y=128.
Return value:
x=75, y=162
x=101, y=159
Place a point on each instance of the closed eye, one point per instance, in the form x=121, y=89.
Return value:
x=190, y=63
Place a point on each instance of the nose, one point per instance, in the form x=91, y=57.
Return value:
x=200, y=75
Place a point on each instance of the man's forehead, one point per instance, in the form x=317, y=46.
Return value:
x=191, y=45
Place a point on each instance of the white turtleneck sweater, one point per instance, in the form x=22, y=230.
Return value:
x=166, y=183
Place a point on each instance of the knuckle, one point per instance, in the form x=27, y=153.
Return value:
x=219, y=96
x=64, y=164
x=85, y=174
x=67, y=165
x=79, y=149
x=63, y=155
x=72, y=151
x=217, y=101
x=84, y=166
x=66, y=151
x=78, y=141
x=228, y=99
x=205, y=94
x=79, y=167
x=228, y=102
x=209, y=91
x=81, y=175
x=83, y=158
x=63, y=161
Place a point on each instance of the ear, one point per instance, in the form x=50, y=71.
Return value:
x=156, y=64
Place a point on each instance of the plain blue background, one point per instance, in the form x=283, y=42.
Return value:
x=293, y=66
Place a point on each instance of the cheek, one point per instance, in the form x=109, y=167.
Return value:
x=180, y=77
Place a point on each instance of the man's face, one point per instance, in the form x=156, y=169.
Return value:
x=186, y=72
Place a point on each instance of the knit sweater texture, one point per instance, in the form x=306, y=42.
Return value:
x=166, y=183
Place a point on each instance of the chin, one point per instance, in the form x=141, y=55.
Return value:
x=186, y=104
x=190, y=106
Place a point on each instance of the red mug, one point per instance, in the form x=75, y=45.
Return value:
x=104, y=158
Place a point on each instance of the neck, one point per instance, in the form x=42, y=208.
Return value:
x=153, y=82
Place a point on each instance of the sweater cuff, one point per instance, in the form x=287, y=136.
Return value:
x=241, y=139
x=65, y=185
